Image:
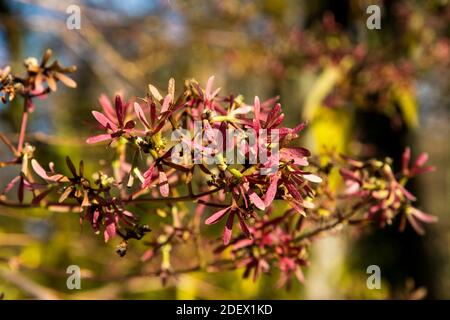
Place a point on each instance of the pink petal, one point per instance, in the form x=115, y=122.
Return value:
x=422, y=216
x=140, y=113
x=128, y=213
x=273, y=114
x=297, y=151
x=99, y=138
x=297, y=207
x=103, y=120
x=166, y=102
x=107, y=107
x=257, y=112
x=163, y=184
x=110, y=231
x=11, y=184
x=217, y=216
x=228, y=229
x=148, y=176
x=407, y=194
x=299, y=274
x=423, y=157
x=416, y=226
x=147, y=255
x=39, y=170
x=272, y=190
x=256, y=200
x=208, y=89
x=244, y=226
x=242, y=110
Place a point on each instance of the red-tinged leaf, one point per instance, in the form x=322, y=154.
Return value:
x=407, y=194
x=289, y=154
x=215, y=93
x=30, y=104
x=95, y=216
x=272, y=190
x=98, y=138
x=275, y=123
x=299, y=128
x=110, y=231
x=242, y=244
x=208, y=88
x=416, y=226
x=241, y=189
x=292, y=190
x=273, y=114
x=217, y=216
x=71, y=167
x=119, y=110
x=39, y=170
x=257, y=112
x=424, y=169
x=269, y=102
x=105, y=103
x=256, y=200
x=199, y=90
x=405, y=160
x=297, y=207
x=296, y=151
x=148, y=176
x=140, y=113
x=163, y=184
x=104, y=121
x=349, y=175
x=228, y=229
x=152, y=107
x=421, y=160
x=147, y=255
x=422, y=216
x=130, y=125
x=242, y=110
x=20, y=190
x=244, y=226
x=11, y=184
x=166, y=103
x=299, y=274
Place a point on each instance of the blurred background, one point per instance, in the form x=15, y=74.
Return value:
x=368, y=93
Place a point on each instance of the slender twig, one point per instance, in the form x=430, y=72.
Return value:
x=315, y=232
x=50, y=205
x=23, y=126
x=8, y=143
x=172, y=199
x=32, y=288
